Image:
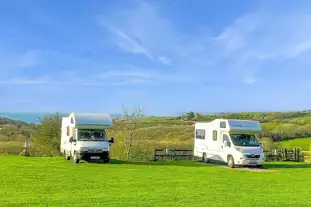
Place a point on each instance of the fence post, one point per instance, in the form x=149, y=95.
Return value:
x=298, y=152
x=282, y=154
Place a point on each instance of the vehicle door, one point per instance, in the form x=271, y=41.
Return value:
x=200, y=141
x=66, y=141
x=73, y=144
x=224, y=146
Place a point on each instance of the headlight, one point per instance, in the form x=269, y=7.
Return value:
x=105, y=149
x=83, y=149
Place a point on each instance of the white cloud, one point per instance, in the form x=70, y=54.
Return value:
x=165, y=60
x=84, y=83
x=129, y=45
x=140, y=75
x=24, y=81
x=238, y=52
x=240, y=49
x=143, y=30
x=258, y=38
x=110, y=78
x=249, y=80
x=113, y=74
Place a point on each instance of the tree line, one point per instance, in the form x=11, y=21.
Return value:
x=133, y=132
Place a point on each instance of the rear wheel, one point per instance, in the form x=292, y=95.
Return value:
x=67, y=157
x=204, y=157
x=230, y=162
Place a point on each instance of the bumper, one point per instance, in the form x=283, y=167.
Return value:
x=250, y=162
x=105, y=155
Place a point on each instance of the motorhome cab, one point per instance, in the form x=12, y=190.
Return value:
x=234, y=142
x=84, y=137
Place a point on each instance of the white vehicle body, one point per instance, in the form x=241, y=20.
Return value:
x=224, y=140
x=84, y=136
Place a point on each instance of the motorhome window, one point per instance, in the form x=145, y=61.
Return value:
x=200, y=134
x=89, y=134
x=74, y=134
x=246, y=140
x=214, y=135
x=222, y=124
x=225, y=138
x=67, y=131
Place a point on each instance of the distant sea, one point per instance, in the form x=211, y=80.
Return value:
x=33, y=117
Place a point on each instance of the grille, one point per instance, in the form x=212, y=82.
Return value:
x=94, y=150
x=252, y=156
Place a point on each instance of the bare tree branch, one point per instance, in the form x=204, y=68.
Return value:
x=129, y=126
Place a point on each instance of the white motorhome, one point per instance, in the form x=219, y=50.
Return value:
x=84, y=137
x=230, y=141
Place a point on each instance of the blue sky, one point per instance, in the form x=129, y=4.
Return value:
x=166, y=56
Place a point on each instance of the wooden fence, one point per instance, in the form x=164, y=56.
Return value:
x=307, y=155
x=295, y=155
x=284, y=154
x=173, y=154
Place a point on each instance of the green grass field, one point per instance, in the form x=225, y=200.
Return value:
x=29, y=181
x=303, y=143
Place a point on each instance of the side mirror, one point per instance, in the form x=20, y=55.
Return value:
x=71, y=139
x=111, y=140
x=225, y=143
x=229, y=144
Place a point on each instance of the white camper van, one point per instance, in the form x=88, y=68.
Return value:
x=234, y=142
x=84, y=137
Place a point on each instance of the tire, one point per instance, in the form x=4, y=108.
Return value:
x=204, y=157
x=67, y=157
x=75, y=159
x=106, y=160
x=230, y=162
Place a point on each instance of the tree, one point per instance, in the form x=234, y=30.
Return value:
x=48, y=133
x=128, y=127
x=198, y=116
x=190, y=115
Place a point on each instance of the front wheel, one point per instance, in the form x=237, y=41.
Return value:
x=230, y=162
x=106, y=160
x=75, y=159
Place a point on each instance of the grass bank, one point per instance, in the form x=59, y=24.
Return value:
x=35, y=181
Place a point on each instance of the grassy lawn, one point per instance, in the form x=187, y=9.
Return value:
x=303, y=143
x=56, y=182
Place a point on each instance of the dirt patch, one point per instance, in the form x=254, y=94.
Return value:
x=255, y=169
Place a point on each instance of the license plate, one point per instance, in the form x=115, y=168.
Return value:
x=95, y=157
x=253, y=162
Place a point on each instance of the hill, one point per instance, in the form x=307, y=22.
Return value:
x=170, y=132
x=303, y=143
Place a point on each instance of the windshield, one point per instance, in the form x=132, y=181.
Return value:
x=247, y=140
x=89, y=134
